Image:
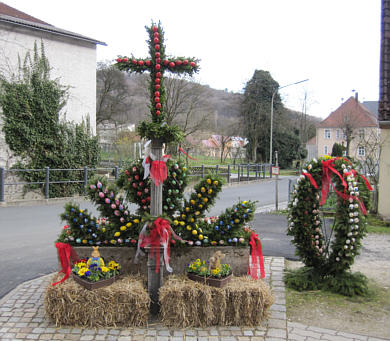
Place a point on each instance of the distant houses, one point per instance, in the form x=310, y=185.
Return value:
x=352, y=125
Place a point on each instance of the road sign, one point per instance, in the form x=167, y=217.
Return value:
x=275, y=170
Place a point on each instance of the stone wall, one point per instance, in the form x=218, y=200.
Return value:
x=237, y=257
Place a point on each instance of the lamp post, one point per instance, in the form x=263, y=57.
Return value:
x=272, y=114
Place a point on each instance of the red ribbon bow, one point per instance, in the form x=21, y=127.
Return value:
x=186, y=154
x=67, y=257
x=257, y=257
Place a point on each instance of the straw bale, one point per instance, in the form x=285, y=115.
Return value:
x=242, y=302
x=123, y=303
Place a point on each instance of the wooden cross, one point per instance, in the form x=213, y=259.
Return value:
x=157, y=64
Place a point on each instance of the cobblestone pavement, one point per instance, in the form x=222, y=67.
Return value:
x=22, y=317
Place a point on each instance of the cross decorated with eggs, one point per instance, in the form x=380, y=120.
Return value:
x=157, y=64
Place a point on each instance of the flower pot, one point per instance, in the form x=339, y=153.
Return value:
x=94, y=285
x=212, y=281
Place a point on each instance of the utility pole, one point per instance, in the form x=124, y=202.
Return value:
x=276, y=181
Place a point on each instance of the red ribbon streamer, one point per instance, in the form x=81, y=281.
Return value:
x=182, y=150
x=313, y=182
x=159, y=234
x=67, y=257
x=327, y=168
x=257, y=257
x=366, y=182
x=158, y=172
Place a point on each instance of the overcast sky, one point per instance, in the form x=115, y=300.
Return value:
x=334, y=43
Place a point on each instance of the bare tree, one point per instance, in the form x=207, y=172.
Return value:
x=113, y=98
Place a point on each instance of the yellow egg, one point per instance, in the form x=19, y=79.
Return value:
x=136, y=221
x=203, y=189
x=200, y=237
x=117, y=234
x=188, y=227
x=192, y=202
x=175, y=222
x=184, y=168
x=215, y=183
x=103, y=229
x=123, y=228
x=81, y=211
x=244, y=202
x=183, y=216
x=192, y=220
x=205, y=200
x=200, y=230
x=182, y=223
x=199, y=195
x=194, y=232
x=187, y=209
x=200, y=205
x=210, y=191
x=209, y=181
x=236, y=221
x=197, y=213
x=84, y=241
x=129, y=224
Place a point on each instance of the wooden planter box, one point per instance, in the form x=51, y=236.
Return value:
x=214, y=282
x=94, y=285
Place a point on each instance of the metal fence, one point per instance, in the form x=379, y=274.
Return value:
x=236, y=173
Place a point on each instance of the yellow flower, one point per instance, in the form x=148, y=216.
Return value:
x=82, y=271
x=123, y=228
x=117, y=234
x=105, y=269
x=81, y=265
x=203, y=268
x=215, y=271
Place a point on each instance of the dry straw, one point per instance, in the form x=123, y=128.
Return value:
x=123, y=303
x=243, y=302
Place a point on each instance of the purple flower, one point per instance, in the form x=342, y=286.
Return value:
x=87, y=273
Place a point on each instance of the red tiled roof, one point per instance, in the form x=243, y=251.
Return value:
x=13, y=12
x=352, y=109
x=312, y=141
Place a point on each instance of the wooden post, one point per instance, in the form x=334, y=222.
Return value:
x=155, y=280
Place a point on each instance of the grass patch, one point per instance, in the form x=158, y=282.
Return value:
x=376, y=225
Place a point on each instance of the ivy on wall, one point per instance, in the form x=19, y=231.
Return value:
x=31, y=109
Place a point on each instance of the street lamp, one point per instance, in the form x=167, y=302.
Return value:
x=272, y=114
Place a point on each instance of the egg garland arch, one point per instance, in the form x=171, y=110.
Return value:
x=313, y=244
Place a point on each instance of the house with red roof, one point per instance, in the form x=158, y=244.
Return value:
x=72, y=59
x=352, y=125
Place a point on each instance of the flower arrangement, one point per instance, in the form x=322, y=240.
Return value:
x=202, y=268
x=93, y=272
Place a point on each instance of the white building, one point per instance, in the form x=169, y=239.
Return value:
x=72, y=58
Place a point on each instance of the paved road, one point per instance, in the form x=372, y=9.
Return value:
x=28, y=232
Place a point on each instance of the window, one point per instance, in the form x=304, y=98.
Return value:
x=326, y=150
x=337, y=134
x=361, y=133
x=327, y=134
x=361, y=151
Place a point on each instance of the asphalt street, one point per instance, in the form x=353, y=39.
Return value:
x=29, y=232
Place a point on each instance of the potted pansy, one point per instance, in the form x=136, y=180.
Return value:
x=92, y=273
x=210, y=272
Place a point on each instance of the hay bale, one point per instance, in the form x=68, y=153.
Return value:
x=242, y=302
x=123, y=303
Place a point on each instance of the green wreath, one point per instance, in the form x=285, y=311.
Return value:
x=330, y=252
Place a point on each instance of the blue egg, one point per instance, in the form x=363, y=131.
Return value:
x=221, y=222
x=229, y=240
x=127, y=240
x=216, y=228
x=235, y=240
x=245, y=215
x=98, y=243
x=229, y=227
x=81, y=226
x=74, y=219
x=198, y=243
x=90, y=242
x=66, y=216
x=80, y=214
x=72, y=209
x=94, y=235
x=232, y=222
x=222, y=232
x=78, y=240
x=249, y=210
x=89, y=230
x=85, y=220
